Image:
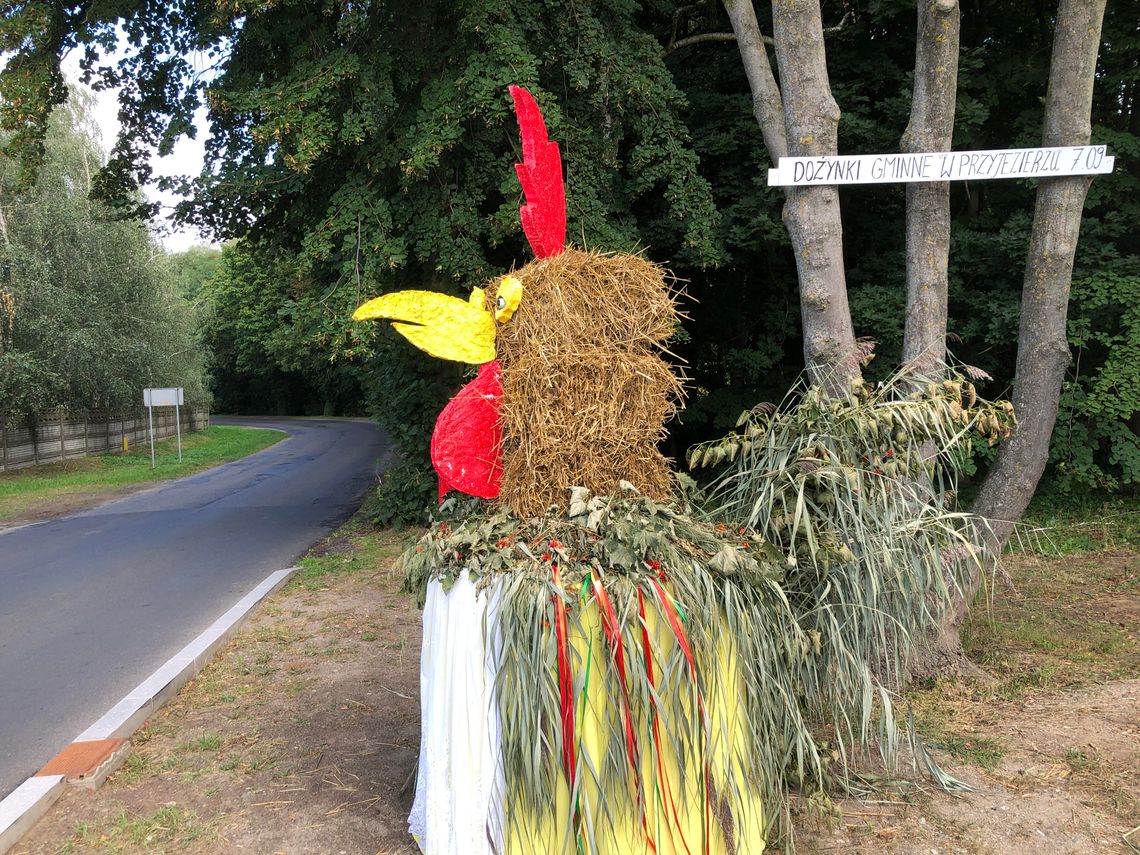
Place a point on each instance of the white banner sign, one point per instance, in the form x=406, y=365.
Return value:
x=171, y=397
x=941, y=166
x=168, y=397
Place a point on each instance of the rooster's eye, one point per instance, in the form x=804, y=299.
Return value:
x=508, y=299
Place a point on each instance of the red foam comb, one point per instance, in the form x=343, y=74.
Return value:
x=544, y=214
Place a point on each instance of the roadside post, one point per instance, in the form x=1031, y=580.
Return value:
x=168, y=397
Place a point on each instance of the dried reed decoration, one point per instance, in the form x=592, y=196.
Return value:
x=586, y=387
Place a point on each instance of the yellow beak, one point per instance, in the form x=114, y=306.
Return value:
x=443, y=326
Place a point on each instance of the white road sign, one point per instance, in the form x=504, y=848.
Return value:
x=168, y=397
x=941, y=166
x=171, y=397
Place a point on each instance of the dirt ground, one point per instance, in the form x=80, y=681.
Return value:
x=1068, y=782
x=301, y=737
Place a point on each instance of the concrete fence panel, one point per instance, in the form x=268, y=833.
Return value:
x=56, y=436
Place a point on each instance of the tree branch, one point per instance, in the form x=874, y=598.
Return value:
x=766, y=102
x=847, y=16
x=676, y=43
x=681, y=12
x=699, y=39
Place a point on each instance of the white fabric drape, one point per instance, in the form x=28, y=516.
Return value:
x=456, y=810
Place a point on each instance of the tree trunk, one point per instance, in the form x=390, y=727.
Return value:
x=931, y=128
x=4, y=225
x=766, y=104
x=811, y=214
x=1042, y=345
x=804, y=122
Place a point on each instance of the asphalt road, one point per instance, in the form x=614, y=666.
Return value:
x=92, y=603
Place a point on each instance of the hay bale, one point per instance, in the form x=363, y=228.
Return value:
x=586, y=390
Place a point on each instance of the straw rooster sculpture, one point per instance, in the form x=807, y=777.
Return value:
x=572, y=389
x=522, y=751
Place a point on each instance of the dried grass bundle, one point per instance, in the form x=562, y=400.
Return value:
x=586, y=390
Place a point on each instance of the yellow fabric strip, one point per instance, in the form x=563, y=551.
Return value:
x=610, y=823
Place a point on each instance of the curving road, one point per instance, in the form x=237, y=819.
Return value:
x=91, y=604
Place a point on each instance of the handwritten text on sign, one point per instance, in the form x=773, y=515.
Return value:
x=941, y=166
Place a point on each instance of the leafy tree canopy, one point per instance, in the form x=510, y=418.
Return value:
x=357, y=147
x=89, y=310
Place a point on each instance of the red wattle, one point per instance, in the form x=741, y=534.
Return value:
x=466, y=447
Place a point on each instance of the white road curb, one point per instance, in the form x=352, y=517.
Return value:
x=29, y=801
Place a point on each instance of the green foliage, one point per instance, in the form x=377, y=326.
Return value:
x=271, y=349
x=406, y=493
x=367, y=147
x=1066, y=524
x=193, y=268
x=856, y=493
x=1095, y=442
x=89, y=310
x=627, y=534
x=404, y=392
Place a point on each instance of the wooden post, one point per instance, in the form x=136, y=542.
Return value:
x=4, y=446
x=62, y=447
x=85, y=433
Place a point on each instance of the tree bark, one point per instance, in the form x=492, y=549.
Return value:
x=1043, y=348
x=804, y=122
x=4, y=224
x=931, y=128
x=1042, y=343
x=766, y=104
x=812, y=214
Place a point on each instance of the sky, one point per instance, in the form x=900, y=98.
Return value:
x=186, y=159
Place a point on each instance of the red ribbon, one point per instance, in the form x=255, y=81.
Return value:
x=565, y=685
x=664, y=783
x=678, y=627
x=613, y=638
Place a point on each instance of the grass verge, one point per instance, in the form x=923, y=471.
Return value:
x=1053, y=527
x=38, y=491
